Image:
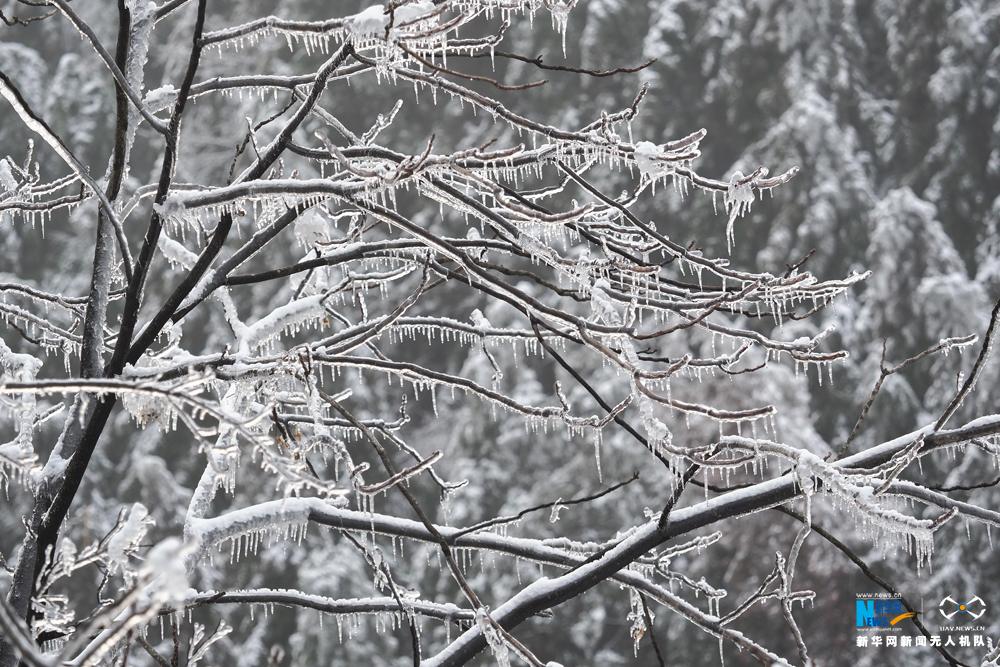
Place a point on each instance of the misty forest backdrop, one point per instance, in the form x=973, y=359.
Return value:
x=891, y=110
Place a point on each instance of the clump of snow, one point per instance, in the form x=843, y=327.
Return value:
x=413, y=11
x=601, y=304
x=126, y=541
x=160, y=98
x=479, y=320
x=290, y=317
x=175, y=253
x=172, y=207
x=166, y=570
x=647, y=156
x=370, y=23
x=311, y=228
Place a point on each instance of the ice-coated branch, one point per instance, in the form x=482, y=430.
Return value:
x=499, y=521
x=537, y=62
x=269, y=154
x=873, y=576
x=110, y=63
x=384, y=245
x=943, y=345
x=977, y=369
x=381, y=605
x=735, y=503
x=16, y=631
x=383, y=577
x=37, y=125
x=180, y=394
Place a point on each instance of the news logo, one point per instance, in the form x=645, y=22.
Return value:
x=950, y=608
x=881, y=613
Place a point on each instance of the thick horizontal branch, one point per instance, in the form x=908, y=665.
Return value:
x=316, y=188
x=587, y=572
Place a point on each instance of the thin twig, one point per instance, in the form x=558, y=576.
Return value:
x=15, y=20
x=159, y=659
x=969, y=487
x=128, y=645
x=471, y=77
x=38, y=125
x=792, y=268
x=85, y=30
x=381, y=566
x=176, y=657
x=537, y=62
x=441, y=541
x=652, y=633
x=884, y=372
x=514, y=517
x=868, y=572
x=970, y=383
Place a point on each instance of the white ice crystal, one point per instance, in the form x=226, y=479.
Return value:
x=646, y=158
x=479, y=320
x=160, y=98
x=7, y=179
x=370, y=23
x=311, y=228
x=126, y=541
x=738, y=199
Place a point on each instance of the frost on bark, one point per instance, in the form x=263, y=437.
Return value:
x=277, y=317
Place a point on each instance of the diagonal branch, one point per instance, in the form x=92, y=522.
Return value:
x=40, y=127
x=868, y=572
x=977, y=369
x=109, y=61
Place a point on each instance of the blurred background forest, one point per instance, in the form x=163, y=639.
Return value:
x=891, y=108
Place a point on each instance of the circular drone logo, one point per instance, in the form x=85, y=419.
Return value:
x=950, y=608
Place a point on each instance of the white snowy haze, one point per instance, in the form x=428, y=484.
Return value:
x=546, y=332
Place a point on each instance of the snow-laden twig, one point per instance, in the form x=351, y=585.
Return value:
x=37, y=125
